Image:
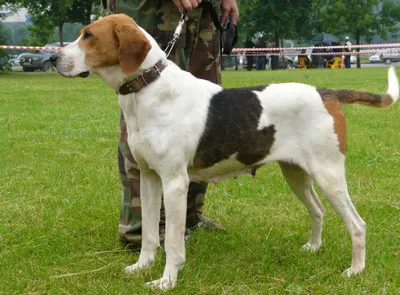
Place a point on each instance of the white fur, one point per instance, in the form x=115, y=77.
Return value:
x=393, y=90
x=165, y=121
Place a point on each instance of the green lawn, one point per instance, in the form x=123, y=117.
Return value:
x=60, y=193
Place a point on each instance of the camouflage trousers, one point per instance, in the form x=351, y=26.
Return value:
x=197, y=51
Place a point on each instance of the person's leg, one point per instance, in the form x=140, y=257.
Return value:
x=257, y=63
x=203, y=49
x=161, y=22
x=264, y=63
x=250, y=63
x=347, y=61
x=130, y=222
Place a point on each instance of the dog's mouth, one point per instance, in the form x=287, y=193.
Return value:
x=68, y=75
x=84, y=74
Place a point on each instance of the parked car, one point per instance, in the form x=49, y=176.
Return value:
x=15, y=61
x=390, y=55
x=353, y=59
x=286, y=62
x=375, y=58
x=38, y=61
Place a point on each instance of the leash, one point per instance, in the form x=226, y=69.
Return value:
x=176, y=35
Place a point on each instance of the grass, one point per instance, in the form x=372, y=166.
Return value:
x=60, y=193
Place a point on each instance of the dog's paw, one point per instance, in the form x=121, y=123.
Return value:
x=350, y=272
x=138, y=266
x=309, y=247
x=162, y=284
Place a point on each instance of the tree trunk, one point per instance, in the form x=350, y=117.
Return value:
x=275, y=58
x=60, y=34
x=358, y=50
x=89, y=6
x=276, y=38
x=282, y=57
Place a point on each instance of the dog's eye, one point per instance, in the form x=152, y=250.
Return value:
x=87, y=35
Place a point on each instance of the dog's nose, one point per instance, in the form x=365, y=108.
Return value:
x=53, y=59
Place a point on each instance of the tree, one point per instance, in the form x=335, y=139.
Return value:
x=281, y=19
x=276, y=19
x=40, y=32
x=58, y=12
x=5, y=33
x=359, y=18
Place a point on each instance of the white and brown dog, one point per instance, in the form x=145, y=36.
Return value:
x=181, y=128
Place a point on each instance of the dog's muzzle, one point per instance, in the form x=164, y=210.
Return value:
x=63, y=68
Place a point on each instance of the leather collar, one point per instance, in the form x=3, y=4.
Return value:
x=149, y=76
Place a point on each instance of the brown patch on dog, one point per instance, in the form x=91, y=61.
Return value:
x=198, y=163
x=333, y=98
x=339, y=122
x=113, y=40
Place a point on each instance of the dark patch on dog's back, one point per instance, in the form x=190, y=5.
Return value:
x=231, y=127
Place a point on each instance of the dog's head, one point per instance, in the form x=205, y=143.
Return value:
x=111, y=41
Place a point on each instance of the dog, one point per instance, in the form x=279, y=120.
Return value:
x=183, y=129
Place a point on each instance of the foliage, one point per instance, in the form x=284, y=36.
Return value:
x=358, y=18
x=5, y=34
x=276, y=19
x=20, y=32
x=41, y=32
x=56, y=13
x=4, y=31
x=361, y=17
x=71, y=31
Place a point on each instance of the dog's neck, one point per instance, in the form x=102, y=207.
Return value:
x=115, y=77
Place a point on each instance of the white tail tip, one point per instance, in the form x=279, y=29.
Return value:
x=393, y=82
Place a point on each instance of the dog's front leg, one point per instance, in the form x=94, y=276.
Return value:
x=175, y=201
x=150, y=195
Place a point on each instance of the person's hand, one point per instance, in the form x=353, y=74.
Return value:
x=229, y=8
x=189, y=5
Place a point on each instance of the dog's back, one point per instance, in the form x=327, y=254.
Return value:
x=288, y=122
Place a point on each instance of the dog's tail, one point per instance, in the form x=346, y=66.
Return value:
x=393, y=88
x=375, y=100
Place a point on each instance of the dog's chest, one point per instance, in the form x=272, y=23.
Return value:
x=233, y=139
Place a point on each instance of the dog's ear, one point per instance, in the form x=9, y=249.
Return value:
x=133, y=47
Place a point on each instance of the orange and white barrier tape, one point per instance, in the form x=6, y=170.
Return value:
x=262, y=51
x=29, y=47
x=387, y=45
x=327, y=53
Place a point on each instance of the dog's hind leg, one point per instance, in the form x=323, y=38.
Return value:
x=175, y=189
x=301, y=184
x=330, y=178
x=150, y=195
